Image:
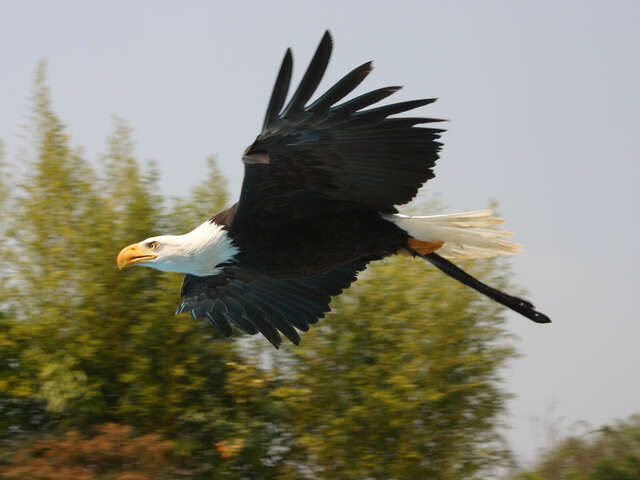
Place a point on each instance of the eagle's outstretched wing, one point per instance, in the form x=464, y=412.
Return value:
x=321, y=157
x=256, y=303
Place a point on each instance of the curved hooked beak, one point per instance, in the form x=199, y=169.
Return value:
x=133, y=254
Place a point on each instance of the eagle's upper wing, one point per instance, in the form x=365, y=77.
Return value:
x=256, y=303
x=323, y=157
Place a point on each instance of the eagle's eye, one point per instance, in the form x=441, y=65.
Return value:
x=152, y=245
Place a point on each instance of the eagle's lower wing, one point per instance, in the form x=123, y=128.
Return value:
x=323, y=157
x=256, y=303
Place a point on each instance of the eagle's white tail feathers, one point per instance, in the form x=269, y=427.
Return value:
x=465, y=235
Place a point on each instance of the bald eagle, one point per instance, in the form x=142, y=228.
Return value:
x=318, y=203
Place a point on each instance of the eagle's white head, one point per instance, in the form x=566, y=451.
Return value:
x=198, y=252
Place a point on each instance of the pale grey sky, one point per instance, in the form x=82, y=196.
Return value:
x=543, y=99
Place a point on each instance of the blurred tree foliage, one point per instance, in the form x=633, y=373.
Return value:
x=96, y=372
x=610, y=453
x=110, y=452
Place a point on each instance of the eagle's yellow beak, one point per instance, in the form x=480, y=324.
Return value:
x=133, y=254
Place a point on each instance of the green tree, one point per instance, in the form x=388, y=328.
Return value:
x=45, y=235
x=112, y=453
x=4, y=187
x=401, y=380
x=4, y=218
x=609, y=453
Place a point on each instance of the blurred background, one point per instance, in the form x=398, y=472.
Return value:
x=122, y=120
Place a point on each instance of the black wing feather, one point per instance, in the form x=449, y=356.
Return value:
x=256, y=303
x=344, y=110
x=280, y=90
x=311, y=79
x=326, y=158
x=238, y=315
x=219, y=321
x=378, y=114
x=342, y=88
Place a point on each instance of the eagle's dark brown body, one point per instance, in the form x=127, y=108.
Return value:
x=320, y=244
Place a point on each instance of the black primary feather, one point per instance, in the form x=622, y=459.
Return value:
x=342, y=88
x=280, y=90
x=313, y=75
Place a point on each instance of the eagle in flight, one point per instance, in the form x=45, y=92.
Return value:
x=318, y=203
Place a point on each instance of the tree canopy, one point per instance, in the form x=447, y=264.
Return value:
x=611, y=452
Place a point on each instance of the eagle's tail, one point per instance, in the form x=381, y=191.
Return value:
x=472, y=234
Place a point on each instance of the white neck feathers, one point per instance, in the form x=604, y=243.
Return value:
x=198, y=252
x=207, y=246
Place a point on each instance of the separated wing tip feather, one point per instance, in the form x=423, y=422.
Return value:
x=311, y=78
x=280, y=90
x=342, y=88
x=288, y=58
